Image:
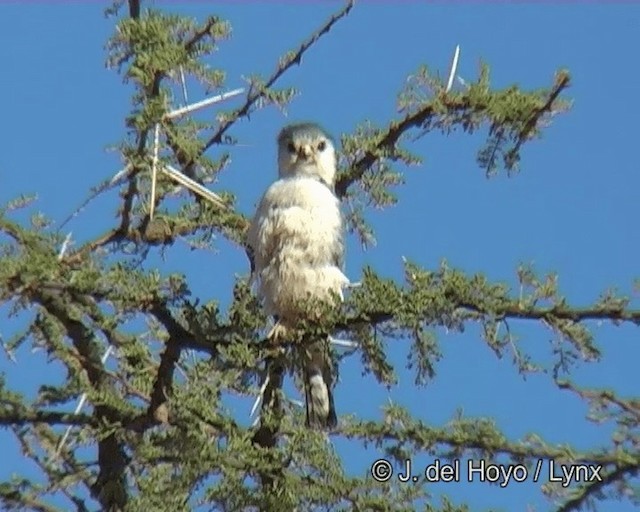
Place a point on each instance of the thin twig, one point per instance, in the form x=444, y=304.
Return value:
x=562, y=81
x=295, y=58
x=96, y=191
x=110, y=236
x=629, y=406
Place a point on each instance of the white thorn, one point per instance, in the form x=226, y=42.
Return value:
x=120, y=175
x=256, y=404
x=65, y=246
x=81, y=403
x=462, y=81
x=154, y=170
x=10, y=354
x=185, y=97
x=495, y=334
x=193, y=185
x=454, y=67
x=202, y=104
x=343, y=343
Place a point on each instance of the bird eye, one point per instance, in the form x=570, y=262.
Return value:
x=291, y=147
x=322, y=145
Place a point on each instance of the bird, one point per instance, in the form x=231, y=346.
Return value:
x=296, y=244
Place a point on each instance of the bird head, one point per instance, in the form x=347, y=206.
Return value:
x=305, y=149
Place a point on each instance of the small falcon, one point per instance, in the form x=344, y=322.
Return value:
x=296, y=242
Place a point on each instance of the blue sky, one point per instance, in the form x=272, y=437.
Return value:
x=573, y=208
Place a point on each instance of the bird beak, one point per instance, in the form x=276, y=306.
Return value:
x=305, y=152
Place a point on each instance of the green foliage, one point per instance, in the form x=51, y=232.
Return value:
x=513, y=117
x=159, y=433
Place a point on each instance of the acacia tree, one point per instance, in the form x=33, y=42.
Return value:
x=160, y=440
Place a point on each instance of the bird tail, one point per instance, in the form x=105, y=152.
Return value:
x=318, y=381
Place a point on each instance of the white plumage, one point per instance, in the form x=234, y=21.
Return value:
x=296, y=237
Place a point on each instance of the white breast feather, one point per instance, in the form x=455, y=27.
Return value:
x=295, y=235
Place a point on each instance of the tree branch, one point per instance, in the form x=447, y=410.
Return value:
x=26, y=417
x=589, y=491
x=462, y=438
x=109, y=488
x=511, y=311
x=163, y=384
x=295, y=58
x=134, y=9
x=396, y=129
x=15, y=498
x=631, y=407
x=562, y=82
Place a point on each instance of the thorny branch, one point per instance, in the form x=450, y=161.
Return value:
x=631, y=407
x=32, y=417
x=125, y=230
x=513, y=311
x=115, y=235
x=110, y=489
x=397, y=129
x=561, y=84
x=295, y=58
x=591, y=489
